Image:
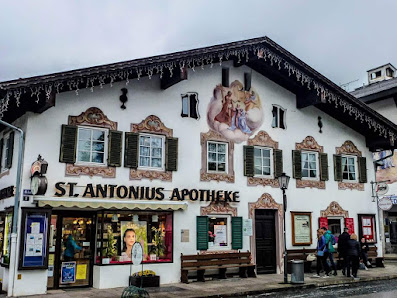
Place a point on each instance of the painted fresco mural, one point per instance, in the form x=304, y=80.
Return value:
x=234, y=112
x=388, y=171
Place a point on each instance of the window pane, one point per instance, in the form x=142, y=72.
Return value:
x=312, y=157
x=304, y=157
x=345, y=176
x=221, y=157
x=266, y=171
x=275, y=120
x=305, y=173
x=84, y=145
x=212, y=166
x=144, y=141
x=98, y=146
x=266, y=162
x=156, y=152
x=352, y=176
x=305, y=165
x=258, y=170
x=221, y=167
x=282, y=125
x=185, y=106
x=212, y=147
x=97, y=157
x=144, y=151
x=265, y=153
x=144, y=161
x=222, y=148
x=350, y=161
x=344, y=161
x=156, y=142
x=351, y=169
x=84, y=156
x=98, y=135
x=313, y=173
x=258, y=161
x=156, y=162
x=211, y=156
x=257, y=152
x=84, y=134
x=312, y=165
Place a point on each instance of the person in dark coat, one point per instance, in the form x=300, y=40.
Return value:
x=353, y=255
x=342, y=243
x=364, y=252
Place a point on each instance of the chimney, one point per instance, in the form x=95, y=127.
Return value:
x=381, y=73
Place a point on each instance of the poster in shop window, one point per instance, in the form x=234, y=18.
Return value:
x=301, y=228
x=132, y=232
x=220, y=232
x=68, y=272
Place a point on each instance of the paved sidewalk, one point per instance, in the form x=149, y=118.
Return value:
x=233, y=286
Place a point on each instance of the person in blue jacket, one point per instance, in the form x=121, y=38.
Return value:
x=322, y=254
x=70, y=248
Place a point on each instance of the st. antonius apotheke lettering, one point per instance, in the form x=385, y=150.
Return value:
x=143, y=192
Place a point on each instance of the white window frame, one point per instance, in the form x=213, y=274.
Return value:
x=105, y=148
x=4, y=156
x=355, y=168
x=277, y=125
x=271, y=162
x=162, y=152
x=228, y=229
x=226, y=158
x=317, y=165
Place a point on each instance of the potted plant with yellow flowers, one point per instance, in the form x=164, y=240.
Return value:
x=145, y=279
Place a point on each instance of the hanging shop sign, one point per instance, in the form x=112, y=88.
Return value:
x=33, y=254
x=143, y=192
x=385, y=204
x=381, y=189
x=137, y=253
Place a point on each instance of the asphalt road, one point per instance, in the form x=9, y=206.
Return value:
x=378, y=289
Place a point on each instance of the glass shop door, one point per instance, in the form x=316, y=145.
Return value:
x=71, y=250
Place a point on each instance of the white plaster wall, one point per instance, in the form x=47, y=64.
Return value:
x=32, y=282
x=145, y=98
x=387, y=108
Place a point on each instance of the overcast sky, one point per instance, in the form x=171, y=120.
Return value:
x=341, y=39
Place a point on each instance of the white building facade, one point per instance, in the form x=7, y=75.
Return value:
x=196, y=152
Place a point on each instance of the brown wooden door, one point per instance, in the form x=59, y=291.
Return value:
x=265, y=239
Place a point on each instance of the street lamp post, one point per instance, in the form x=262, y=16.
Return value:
x=283, y=181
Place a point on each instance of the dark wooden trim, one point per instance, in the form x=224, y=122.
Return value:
x=167, y=80
x=293, y=213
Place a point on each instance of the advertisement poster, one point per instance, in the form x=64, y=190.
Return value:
x=81, y=271
x=220, y=232
x=302, y=233
x=68, y=272
x=247, y=227
x=132, y=232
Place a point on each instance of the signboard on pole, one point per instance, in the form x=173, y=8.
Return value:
x=385, y=204
x=137, y=253
x=382, y=189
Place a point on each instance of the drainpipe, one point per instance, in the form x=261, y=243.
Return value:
x=13, y=247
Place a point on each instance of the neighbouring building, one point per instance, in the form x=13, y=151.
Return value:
x=169, y=150
x=381, y=95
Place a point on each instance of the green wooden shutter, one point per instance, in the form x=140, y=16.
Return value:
x=237, y=232
x=10, y=150
x=278, y=162
x=297, y=164
x=1, y=152
x=338, y=167
x=131, y=150
x=114, y=148
x=362, y=169
x=249, y=161
x=202, y=232
x=324, y=167
x=171, y=154
x=68, y=144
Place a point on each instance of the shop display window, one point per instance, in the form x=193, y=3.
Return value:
x=218, y=232
x=117, y=231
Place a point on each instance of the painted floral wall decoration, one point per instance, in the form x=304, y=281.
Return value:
x=234, y=112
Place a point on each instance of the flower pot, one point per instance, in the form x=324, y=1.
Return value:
x=146, y=281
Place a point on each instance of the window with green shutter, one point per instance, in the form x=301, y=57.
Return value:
x=338, y=167
x=278, y=162
x=324, y=167
x=237, y=232
x=297, y=164
x=362, y=167
x=131, y=150
x=68, y=144
x=115, y=144
x=248, y=161
x=171, y=151
x=202, y=232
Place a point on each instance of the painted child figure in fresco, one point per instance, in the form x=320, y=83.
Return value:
x=129, y=240
x=225, y=115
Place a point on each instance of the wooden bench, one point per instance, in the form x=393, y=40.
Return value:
x=373, y=257
x=300, y=254
x=217, y=261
